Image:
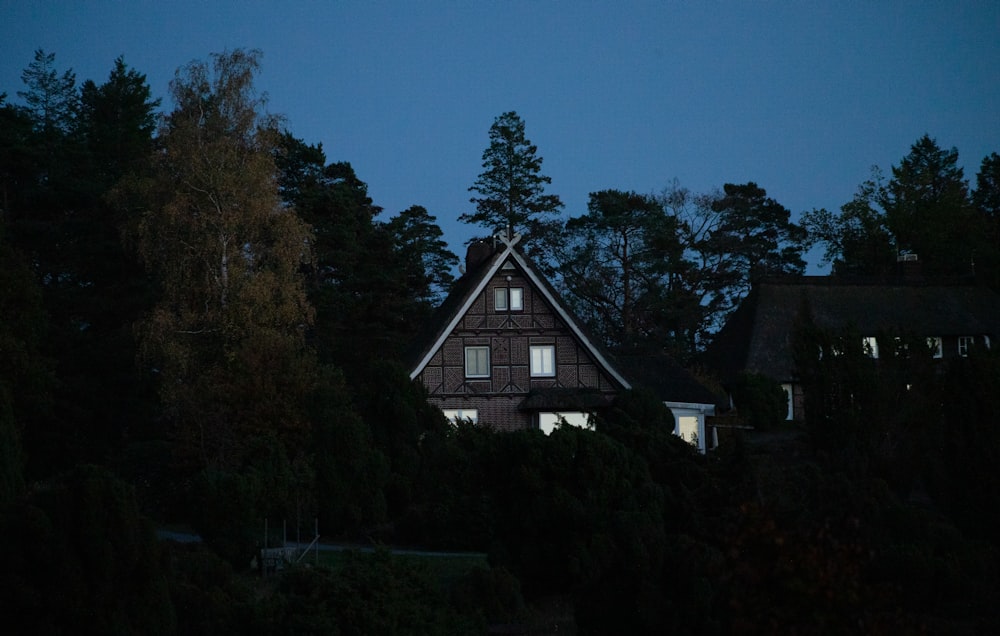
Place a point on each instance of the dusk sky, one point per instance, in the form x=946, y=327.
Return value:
x=801, y=97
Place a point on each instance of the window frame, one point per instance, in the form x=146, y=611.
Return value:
x=501, y=299
x=964, y=344
x=550, y=358
x=477, y=349
x=516, y=298
x=869, y=346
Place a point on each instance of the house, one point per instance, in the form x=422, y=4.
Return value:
x=503, y=350
x=953, y=316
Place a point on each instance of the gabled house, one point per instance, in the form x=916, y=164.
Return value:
x=954, y=317
x=503, y=350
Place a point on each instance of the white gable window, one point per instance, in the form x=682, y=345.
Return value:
x=870, y=346
x=516, y=299
x=543, y=361
x=461, y=415
x=934, y=344
x=508, y=298
x=477, y=362
x=549, y=421
x=964, y=344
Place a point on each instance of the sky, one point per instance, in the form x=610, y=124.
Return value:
x=802, y=98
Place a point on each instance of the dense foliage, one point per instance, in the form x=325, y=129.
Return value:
x=201, y=322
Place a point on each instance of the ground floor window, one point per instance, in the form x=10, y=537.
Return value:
x=461, y=415
x=549, y=421
x=686, y=428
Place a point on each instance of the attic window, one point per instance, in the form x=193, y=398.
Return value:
x=511, y=298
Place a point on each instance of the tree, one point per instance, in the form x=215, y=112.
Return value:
x=51, y=98
x=927, y=209
x=621, y=266
x=227, y=337
x=428, y=262
x=732, y=239
x=511, y=187
x=858, y=240
x=986, y=198
x=116, y=122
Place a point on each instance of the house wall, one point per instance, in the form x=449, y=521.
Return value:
x=509, y=335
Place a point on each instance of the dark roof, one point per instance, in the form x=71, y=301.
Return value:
x=664, y=377
x=758, y=336
x=461, y=290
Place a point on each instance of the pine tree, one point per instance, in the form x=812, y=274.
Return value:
x=511, y=187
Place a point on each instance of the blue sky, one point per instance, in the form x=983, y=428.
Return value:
x=800, y=97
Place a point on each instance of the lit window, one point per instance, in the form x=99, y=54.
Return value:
x=543, y=361
x=477, y=362
x=934, y=344
x=986, y=341
x=964, y=344
x=790, y=413
x=500, y=298
x=870, y=347
x=461, y=415
x=516, y=299
x=548, y=422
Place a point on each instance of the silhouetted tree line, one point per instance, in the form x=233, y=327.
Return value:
x=201, y=321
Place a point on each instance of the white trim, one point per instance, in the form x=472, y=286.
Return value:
x=461, y=312
x=543, y=290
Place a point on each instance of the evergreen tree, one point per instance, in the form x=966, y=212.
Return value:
x=511, y=187
x=621, y=266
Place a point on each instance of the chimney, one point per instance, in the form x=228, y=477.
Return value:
x=477, y=253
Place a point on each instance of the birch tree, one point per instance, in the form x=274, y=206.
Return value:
x=227, y=335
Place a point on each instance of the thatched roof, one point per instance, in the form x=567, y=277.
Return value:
x=758, y=336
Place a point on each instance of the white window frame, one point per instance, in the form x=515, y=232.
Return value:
x=934, y=343
x=543, y=361
x=476, y=350
x=460, y=415
x=517, y=299
x=964, y=344
x=500, y=299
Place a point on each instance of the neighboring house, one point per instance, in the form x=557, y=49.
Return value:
x=691, y=402
x=758, y=337
x=504, y=351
